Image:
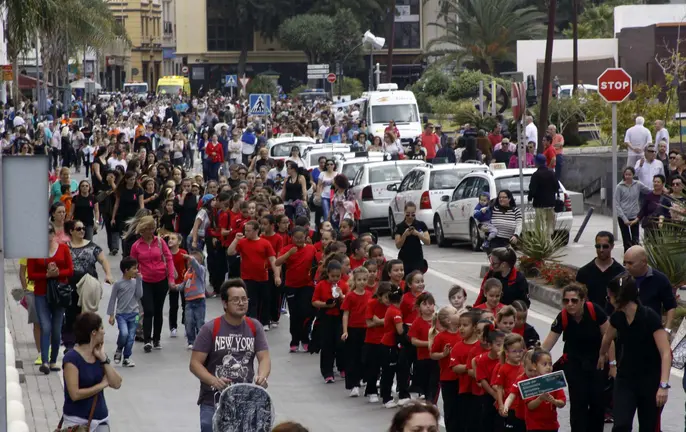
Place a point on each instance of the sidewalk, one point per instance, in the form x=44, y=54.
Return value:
x=43, y=395
x=596, y=223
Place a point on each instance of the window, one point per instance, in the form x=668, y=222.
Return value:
x=407, y=35
x=223, y=33
x=418, y=183
x=402, y=5
x=459, y=191
x=480, y=186
x=407, y=113
x=404, y=185
x=405, y=168
x=512, y=184
x=445, y=179
x=383, y=174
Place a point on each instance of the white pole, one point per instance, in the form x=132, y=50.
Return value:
x=614, y=168
x=378, y=75
x=494, y=97
x=481, y=97
x=522, y=154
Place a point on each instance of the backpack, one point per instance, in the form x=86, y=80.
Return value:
x=217, y=324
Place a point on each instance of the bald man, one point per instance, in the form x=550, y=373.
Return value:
x=654, y=289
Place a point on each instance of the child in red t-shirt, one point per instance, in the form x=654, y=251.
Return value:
x=441, y=345
x=505, y=320
x=494, y=291
x=357, y=257
x=392, y=365
x=459, y=363
x=483, y=366
x=374, y=316
x=276, y=292
x=540, y=412
x=426, y=370
x=174, y=241
x=372, y=280
x=354, y=328
x=328, y=297
x=394, y=272
x=504, y=376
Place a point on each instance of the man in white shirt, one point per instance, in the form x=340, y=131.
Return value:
x=18, y=120
x=661, y=133
x=531, y=131
x=117, y=160
x=637, y=139
x=649, y=167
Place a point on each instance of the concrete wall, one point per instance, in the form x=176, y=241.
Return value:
x=582, y=169
x=530, y=52
x=191, y=29
x=645, y=15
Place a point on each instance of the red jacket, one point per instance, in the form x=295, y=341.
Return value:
x=215, y=152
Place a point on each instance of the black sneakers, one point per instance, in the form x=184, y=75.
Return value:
x=147, y=347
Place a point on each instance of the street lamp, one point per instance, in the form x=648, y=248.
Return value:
x=375, y=42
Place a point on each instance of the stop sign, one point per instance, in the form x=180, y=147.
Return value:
x=331, y=78
x=614, y=85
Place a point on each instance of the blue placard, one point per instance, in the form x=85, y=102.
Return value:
x=231, y=81
x=542, y=384
x=260, y=104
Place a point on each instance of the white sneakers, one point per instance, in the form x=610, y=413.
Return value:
x=189, y=347
x=390, y=404
x=173, y=333
x=355, y=392
x=266, y=328
x=373, y=398
x=403, y=402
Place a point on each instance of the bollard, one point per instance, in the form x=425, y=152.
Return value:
x=583, y=225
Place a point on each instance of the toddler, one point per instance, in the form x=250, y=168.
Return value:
x=483, y=213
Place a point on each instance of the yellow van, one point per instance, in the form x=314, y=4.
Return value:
x=172, y=85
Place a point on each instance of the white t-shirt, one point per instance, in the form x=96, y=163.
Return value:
x=113, y=163
x=204, y=222
x=322, y=130
x=639, y=137
x=531, y=133
x=89, y=153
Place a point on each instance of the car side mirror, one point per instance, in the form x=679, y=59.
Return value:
x=445, y=198
x=393, y=187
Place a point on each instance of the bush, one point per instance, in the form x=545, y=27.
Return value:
x=530, y=266
x=263, y=84
x=351, y=86
x=466, y=84
x=467, y=113
x=558, y=275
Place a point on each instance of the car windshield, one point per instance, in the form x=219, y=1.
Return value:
x=388, y=173
x=169, y=89
x=136, y=88
x=284, y=149
x=350, y=169
x=445, y=179
x=406, y=113
x=406, y=168
x=512, y=184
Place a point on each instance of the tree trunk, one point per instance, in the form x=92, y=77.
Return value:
x=575, y=47
x=16, y=95
x=245, y=47
x=545, y=88
x=391, y=42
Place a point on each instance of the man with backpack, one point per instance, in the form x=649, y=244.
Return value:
x=225, y=349
x=583, y=324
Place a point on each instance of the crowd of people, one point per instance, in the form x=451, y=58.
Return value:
x=238, y=227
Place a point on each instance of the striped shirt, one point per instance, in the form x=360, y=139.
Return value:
x=508, y=223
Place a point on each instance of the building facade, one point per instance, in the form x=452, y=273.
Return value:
x=208, y=43
x=142, y=61
x=171, y=64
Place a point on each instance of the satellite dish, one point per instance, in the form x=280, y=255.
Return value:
x=375, y=41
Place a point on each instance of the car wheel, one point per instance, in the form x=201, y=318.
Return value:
x=474, y=237
x=438, y=232
x=391, y=223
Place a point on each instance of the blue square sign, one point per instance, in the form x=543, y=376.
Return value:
x=231, y=81
x=260, y=104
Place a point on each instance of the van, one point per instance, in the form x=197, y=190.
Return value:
x=389, y=103
x=137, y=88
x=173, y=85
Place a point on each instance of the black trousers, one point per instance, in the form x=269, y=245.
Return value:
x=234, y=266
x=354, y=345
x=154, y=295
x=393, y=366
x=425, y=379
x=275, y=299
x=216, y=263
x=469, y=405
x=451, y=414
x=630, y=235
x=258, y=294
x=112, y=233
x=373, y=354
x=332, y=348
x=301, y=313
x=586, y=400
x=636, y=394
x=487, y=413
x=174, y=308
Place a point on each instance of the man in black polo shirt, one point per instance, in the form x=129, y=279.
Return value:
x=654, y=289
x=601, y=270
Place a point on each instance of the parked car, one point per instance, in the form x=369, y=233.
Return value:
x=369, y=187
x=424, y=186
x=350, y=164
x=454, y=219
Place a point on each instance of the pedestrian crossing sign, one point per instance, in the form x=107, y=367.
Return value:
x=231, y=81
x=260, y=104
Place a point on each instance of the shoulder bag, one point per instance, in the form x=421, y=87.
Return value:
x=79, y=428
x=58, y=294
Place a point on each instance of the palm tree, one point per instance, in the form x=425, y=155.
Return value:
x=484, y=32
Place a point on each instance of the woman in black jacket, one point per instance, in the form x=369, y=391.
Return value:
x=515, y=285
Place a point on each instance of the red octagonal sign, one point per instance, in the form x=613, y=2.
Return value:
x=614, y=85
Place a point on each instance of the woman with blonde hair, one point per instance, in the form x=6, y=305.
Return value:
x=156, y=269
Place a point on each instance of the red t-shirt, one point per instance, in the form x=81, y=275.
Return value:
x=372, y=288
x=408, y=309
x=440, y=341
x=429, y=142
x=255, y=259
x=545, y=416
x=356, y=305
x=275, y=241
x=517, y=405
x=475, y=352
x=374, y=309
x=420, y=330
x=485, y=367
x=298, y=265
x=285, y=237
x=318, y=246
x=504, y=376
x=322, y=292
x=494, y=311
x=458, y=356
x=393, y=316
x=355, y=263
x=179, y=265
x=549, y=154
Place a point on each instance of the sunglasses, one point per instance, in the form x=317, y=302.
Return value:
x=572, y=301
x=650, y=151
x=672, y=157
x=410, y=214
x=79, y=229
x=602, y=246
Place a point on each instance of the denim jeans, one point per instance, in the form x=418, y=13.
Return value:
x=195, y=318
x=50, y=319
x=127, y=323
x=206, y=413
x=326, y=208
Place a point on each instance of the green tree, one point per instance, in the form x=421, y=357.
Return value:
x=262, y=84
x=595, y=23
x=484, y=32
